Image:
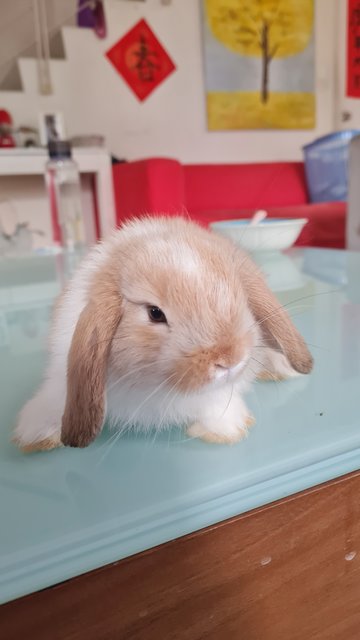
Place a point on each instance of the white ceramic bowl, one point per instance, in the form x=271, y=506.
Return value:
x=272, y=234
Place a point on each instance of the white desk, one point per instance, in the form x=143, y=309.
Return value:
x=95, y=161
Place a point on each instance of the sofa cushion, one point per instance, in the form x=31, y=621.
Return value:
x=229, y=186
x=148, y=186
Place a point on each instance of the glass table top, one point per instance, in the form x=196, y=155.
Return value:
x=68, y=511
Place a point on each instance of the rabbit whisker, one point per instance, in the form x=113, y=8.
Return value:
x=130, y=420
x=271, y=373
x=171, y=399
x=228, y=403
x=285, y=306
x=132, y=372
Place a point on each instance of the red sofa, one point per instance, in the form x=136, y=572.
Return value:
x=210, y=192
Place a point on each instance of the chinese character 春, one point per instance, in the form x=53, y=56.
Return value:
x=146, y=61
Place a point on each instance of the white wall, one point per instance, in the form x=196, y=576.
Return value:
x=172, y=121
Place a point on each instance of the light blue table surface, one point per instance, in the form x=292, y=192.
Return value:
x=68, y=511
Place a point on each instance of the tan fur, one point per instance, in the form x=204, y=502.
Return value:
x=273, y=320
x=43, y=445
x=151, y=273
x=197, y=367
x=206, y=300
x=197, y=430
x=87, y=362
x=267, y=376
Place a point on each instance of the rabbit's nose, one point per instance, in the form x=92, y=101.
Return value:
x=223, y=372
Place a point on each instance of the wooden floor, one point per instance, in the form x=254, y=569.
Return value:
x=290, y=571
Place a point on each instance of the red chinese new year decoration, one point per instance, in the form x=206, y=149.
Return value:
x=141, y=60
x=353, y=49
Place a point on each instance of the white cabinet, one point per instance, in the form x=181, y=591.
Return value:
x=95, y=169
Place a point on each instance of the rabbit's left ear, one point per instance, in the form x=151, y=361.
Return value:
x=274, y=321
x=84, y=413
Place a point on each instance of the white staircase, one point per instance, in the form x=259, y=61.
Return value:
x=18, y=39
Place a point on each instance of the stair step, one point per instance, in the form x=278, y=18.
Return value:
x=11, y=80
x=20, y=21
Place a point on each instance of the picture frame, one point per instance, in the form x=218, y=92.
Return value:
x=259, y=63
x=51, y=127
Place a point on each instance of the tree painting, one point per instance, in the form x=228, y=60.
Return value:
x=266, y=30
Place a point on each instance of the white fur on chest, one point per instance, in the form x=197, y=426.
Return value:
x=160, y=406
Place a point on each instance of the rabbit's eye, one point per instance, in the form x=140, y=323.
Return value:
x=156, y=315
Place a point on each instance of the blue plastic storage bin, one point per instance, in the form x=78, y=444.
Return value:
x=326, y=166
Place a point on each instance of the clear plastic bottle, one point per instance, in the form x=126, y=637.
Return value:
x=63, y=185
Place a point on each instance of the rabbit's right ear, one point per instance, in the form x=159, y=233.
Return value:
x=84, y=413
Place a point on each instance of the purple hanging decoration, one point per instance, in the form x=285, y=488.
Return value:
x=91, y=15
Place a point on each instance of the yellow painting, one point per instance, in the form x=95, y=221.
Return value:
x=259, y=64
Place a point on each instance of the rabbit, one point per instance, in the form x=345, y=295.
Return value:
x=164, y=323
